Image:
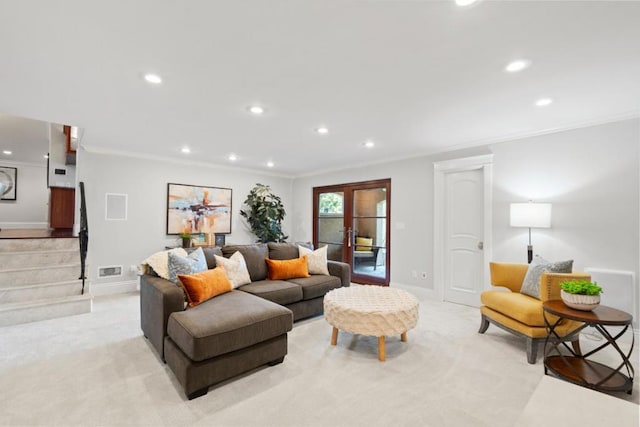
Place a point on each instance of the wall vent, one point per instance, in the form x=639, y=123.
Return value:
x=110, y=271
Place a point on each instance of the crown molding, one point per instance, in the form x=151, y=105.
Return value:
x=96, y=149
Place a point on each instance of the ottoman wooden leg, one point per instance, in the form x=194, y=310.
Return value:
x=381, y=354
x=334, y=336
x=403, y=337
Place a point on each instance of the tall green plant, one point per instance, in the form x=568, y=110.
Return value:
x=265, y=213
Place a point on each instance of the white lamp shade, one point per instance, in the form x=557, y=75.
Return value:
x=533, y=215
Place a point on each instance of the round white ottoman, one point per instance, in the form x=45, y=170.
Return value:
x=371, y=310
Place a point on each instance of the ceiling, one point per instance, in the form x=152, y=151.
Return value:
x=415, y=77
x=26, y=139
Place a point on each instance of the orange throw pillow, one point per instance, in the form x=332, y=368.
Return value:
x=202, y=286
x=287, y=269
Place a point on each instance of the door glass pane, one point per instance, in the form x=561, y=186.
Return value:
x=370, y=231
x=331, y=224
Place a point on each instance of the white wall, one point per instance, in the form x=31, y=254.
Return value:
x=590, y=175
x=30, y=209
x=129, y=242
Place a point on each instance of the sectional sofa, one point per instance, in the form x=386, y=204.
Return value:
x=239, y=330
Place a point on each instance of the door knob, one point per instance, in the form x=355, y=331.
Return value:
x=480, y=245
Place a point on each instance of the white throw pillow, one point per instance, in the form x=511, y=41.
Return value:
x=236, y=269
x=316, y=260
x=160, y=262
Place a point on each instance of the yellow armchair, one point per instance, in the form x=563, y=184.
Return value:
x=521, y=314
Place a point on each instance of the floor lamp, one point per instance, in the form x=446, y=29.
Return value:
x=530, y=215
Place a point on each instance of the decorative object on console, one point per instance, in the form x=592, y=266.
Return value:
x=580, y=294
x=265, y=214
x=197, y=209
x=186, y=239
x=8, y=183
x=530, y=215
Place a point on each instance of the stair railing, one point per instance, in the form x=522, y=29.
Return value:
x=83, y=236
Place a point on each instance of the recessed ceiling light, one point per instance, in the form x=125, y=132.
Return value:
x=369, y=144
x=153, y=78
x=232, y=157
x=517, y=65
x=186, y=150
x=270, y=164
x=543, y=102
x=322, y=130
x=465, y=2
x=256, y=109
x=7, y=152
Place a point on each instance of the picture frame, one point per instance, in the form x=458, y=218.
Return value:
x=9, y=181
x=198, y=209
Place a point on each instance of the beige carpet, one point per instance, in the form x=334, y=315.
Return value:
x=97, y=369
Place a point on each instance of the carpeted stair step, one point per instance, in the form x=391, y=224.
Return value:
x=25, y=312
x=25, y=245
x=41, y=291
x=15, y=277
x=10, y=260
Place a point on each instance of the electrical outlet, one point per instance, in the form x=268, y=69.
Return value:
x=424, y=275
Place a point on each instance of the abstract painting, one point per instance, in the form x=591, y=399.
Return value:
x=8, y=183
x=196, y=209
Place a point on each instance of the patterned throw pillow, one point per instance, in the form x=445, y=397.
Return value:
x=316, y=260
x=195, y=262
x=160, y=262
x=205, y=285
x=287, y=268
x=236, y=269
x=539, y=265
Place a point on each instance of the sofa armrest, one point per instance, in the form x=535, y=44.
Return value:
x=550, y=283
x=340, y=270
x=158, y=299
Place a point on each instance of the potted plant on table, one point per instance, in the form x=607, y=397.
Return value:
x=186, y=239
x=580, y=294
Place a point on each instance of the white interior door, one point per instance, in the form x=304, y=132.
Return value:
x=463, y=237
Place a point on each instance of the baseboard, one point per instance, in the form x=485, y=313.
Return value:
x=13, y=225
x=114, y=287
x=419, y=292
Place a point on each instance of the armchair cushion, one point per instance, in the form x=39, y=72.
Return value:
x=520, y=307
x=363, y=243
x=539, y=265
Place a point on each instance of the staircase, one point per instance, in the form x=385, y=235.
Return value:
x=39, y=280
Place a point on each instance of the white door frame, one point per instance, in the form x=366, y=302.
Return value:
x=440, y=169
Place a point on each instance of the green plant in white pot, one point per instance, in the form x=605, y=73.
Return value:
x=580, y=294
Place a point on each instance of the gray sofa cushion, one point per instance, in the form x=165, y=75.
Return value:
x=209, y=256
x=278, y=291
x=227, y=323
x=317, y=285
x=281, y=251
x=254, y=255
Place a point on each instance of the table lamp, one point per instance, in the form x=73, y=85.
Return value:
x=530, y=215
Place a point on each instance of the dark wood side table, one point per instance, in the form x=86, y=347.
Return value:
x=577, y=368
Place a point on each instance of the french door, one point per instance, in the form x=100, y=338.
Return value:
x=352, y=220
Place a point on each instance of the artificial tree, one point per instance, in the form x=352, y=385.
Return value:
x=265, y=213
